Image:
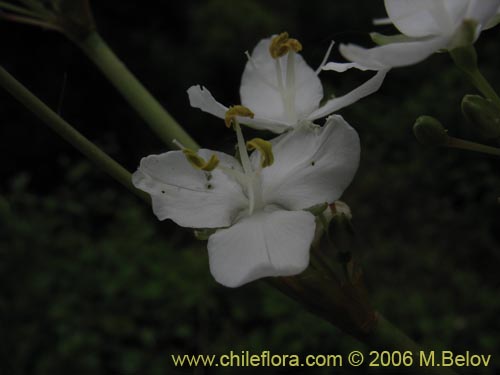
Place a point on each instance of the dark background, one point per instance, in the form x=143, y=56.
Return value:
x=92, y=283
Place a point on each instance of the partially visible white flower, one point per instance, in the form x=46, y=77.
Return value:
x=257, y=209
x=427, y=27
x=494, y=21
x=282, y=90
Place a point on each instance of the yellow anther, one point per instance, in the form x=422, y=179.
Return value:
x=237, y=110
x=199, y=163
x=266, y=151
x=282, y=44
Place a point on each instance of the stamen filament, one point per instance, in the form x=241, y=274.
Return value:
x=290, y=87
x=241, y=178
x=284, y=93
x=279, y=77
x=247, y=166
x=325, y=59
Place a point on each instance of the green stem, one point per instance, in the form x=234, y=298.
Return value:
x=466, y=59
x=381, y=336
x=66, y=131
x=385, y=336
x=134, y=92
x=472, y=146
x=484, y=86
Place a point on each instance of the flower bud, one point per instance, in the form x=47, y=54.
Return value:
x=430, y=132
x=483, y=114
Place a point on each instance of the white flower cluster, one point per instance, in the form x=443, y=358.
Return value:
x=256, y=205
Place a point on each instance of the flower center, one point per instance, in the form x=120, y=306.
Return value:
x=281, y=45
x=250, y=178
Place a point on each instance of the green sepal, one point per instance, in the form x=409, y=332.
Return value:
x=462, y=49
x=317, y=209
x=382, y=39
x=203, y=234
x=466, y=35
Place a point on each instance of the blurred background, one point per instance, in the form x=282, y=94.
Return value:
x=92, y=283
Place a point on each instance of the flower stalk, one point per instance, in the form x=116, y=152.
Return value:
x=465, y=58
x=333, y=289
x=472, y=146
x=151, y=111
x=66, y=131
x=74, y=19
x=430, y=132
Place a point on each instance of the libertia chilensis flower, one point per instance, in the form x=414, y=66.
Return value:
x=281, y=89
x=257, y=205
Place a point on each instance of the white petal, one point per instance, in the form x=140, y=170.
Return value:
x=420, y=18
x=262, y=123
x=494, y=21
x=200, y=97
x=483, y=11
x=394, y=54
x=311, y=165
x=187, y=195
x=264, y=244
x=335, y=104
x=342, y=67
x=259, y=86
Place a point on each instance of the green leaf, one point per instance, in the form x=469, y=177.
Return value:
x=17, y=9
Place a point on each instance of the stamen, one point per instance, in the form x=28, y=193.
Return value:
x=199, y=163
x=279, y=78
x=282, y=44
x=241, y=178
x=247, y=166
x=233, y=112
x=265, y=149
x=250, y=178
x=290, y=87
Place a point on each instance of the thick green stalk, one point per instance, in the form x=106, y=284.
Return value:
x=466, y=59
x=385, y=336
x=160, y=121
x=66, y=131
x=482, y=84
x=380, y=336
x=472, y=146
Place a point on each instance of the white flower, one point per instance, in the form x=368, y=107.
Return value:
x=427, y=26
x=258, y=213
x=283, y=90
